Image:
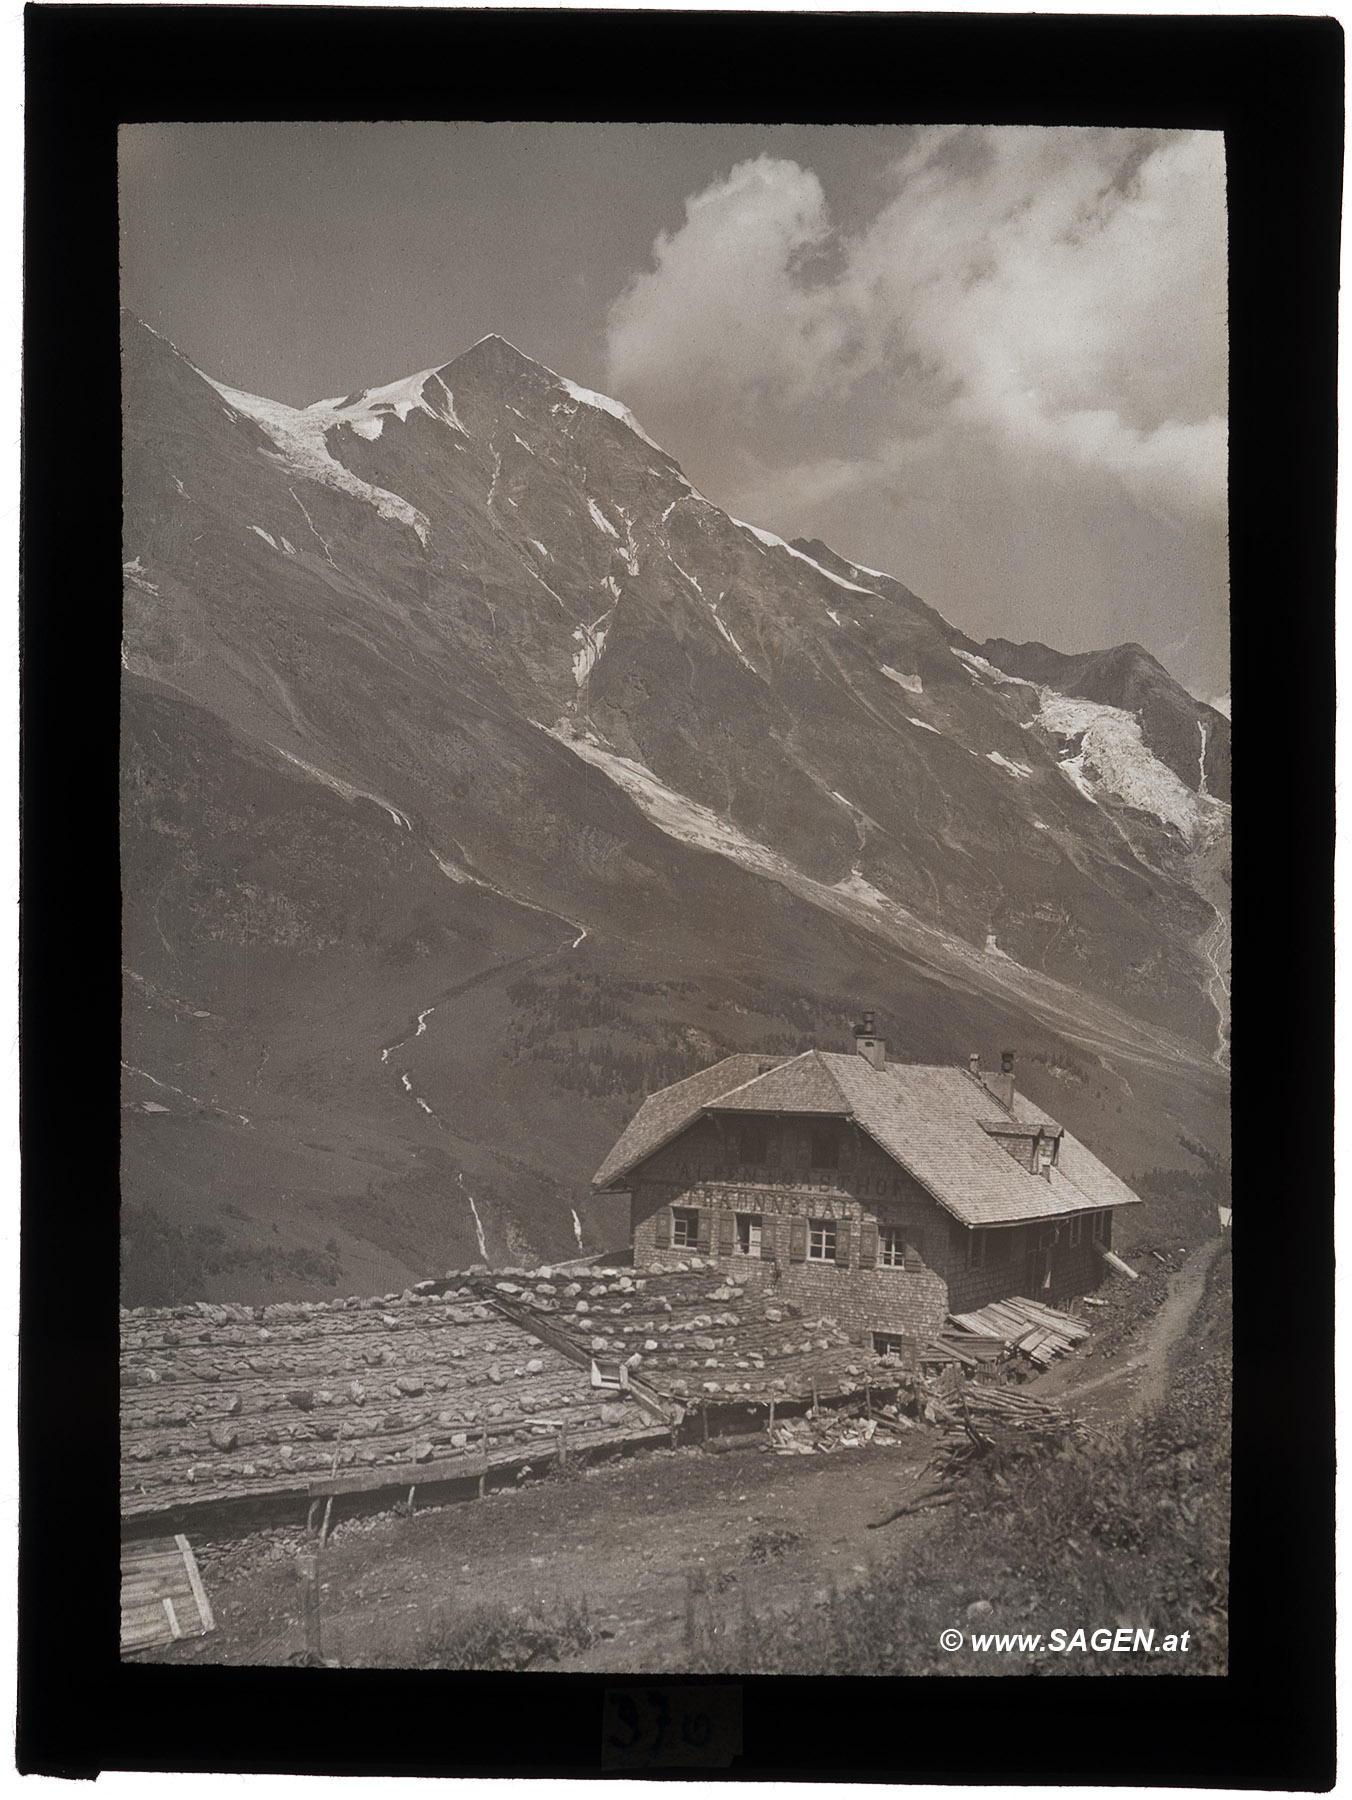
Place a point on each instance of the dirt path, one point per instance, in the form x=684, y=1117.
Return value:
x=1142, y=1380
x=1170, y=1324
x=637, y=1540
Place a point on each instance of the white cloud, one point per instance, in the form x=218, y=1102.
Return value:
x=1056, y=295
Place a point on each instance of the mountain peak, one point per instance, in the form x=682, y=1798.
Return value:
x=500, y=353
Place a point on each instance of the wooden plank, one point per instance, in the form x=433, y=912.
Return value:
x=143, y=1593
x=1065, y=1322
x=1116, y=1262
x=158, y=1559
x=548, y=1334
x=400, y=1475
x=199, y=1593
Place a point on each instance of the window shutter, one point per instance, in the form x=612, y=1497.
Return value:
x=768, y=1238
x=868, y=1244
x=842, y=1243
x=727, y=1233
x=662, y=1227
x=797, y=1240
x=911, y=1262
x=704, y=1230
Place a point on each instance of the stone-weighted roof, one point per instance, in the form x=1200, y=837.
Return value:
x=933, y=1121
x=219, y=1402
x=225, y=1403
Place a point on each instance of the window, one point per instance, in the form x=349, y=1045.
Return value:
x=1076, y=1231
x=821, y=1240
x=887, y=1343
x=1103, y=1229
x=684, y=1227
x=826, y=1146
x=748, y=1234
x=894, y=1252
x=753, y=1142
x=990, y=1249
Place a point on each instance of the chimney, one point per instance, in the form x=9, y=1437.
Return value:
x=1006, y=1084
x=974, y=1064
x=869, y=1045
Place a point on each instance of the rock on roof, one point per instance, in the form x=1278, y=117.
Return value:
x=225, y=1403
x=219, y=1403
x=933, y=1121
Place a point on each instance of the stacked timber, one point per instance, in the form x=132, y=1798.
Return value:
x=162, y=1594
x=1036, y=1331
x=979, y=1424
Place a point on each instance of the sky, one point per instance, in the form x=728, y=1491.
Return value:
x=989, y=361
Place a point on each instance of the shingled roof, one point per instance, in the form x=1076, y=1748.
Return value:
x=933, y=1122
x=666, y=1114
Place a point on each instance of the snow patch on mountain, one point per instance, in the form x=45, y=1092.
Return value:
x=742, y=656
x=923, y=726
x=266, y=536
x=1073, y=770
x=912, y=683
x=347, y=789
x=605, y=404
x=978, y=665
x=1112, y=757
x=712, y=605
x=537, y=545
x=601, y=519
x=1022, y=770
x=367, y=412
x=136, y=574
x=771, y=542
x=453, y=871
x=298, y=433
x=592, y=641
x=675, y=813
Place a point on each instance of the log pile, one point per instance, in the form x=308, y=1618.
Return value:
x=1038, y=1332
x=979, y=1424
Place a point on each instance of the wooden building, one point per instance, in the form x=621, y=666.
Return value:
x=885, y=1195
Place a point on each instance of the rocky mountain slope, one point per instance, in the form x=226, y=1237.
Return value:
x=479, y=774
